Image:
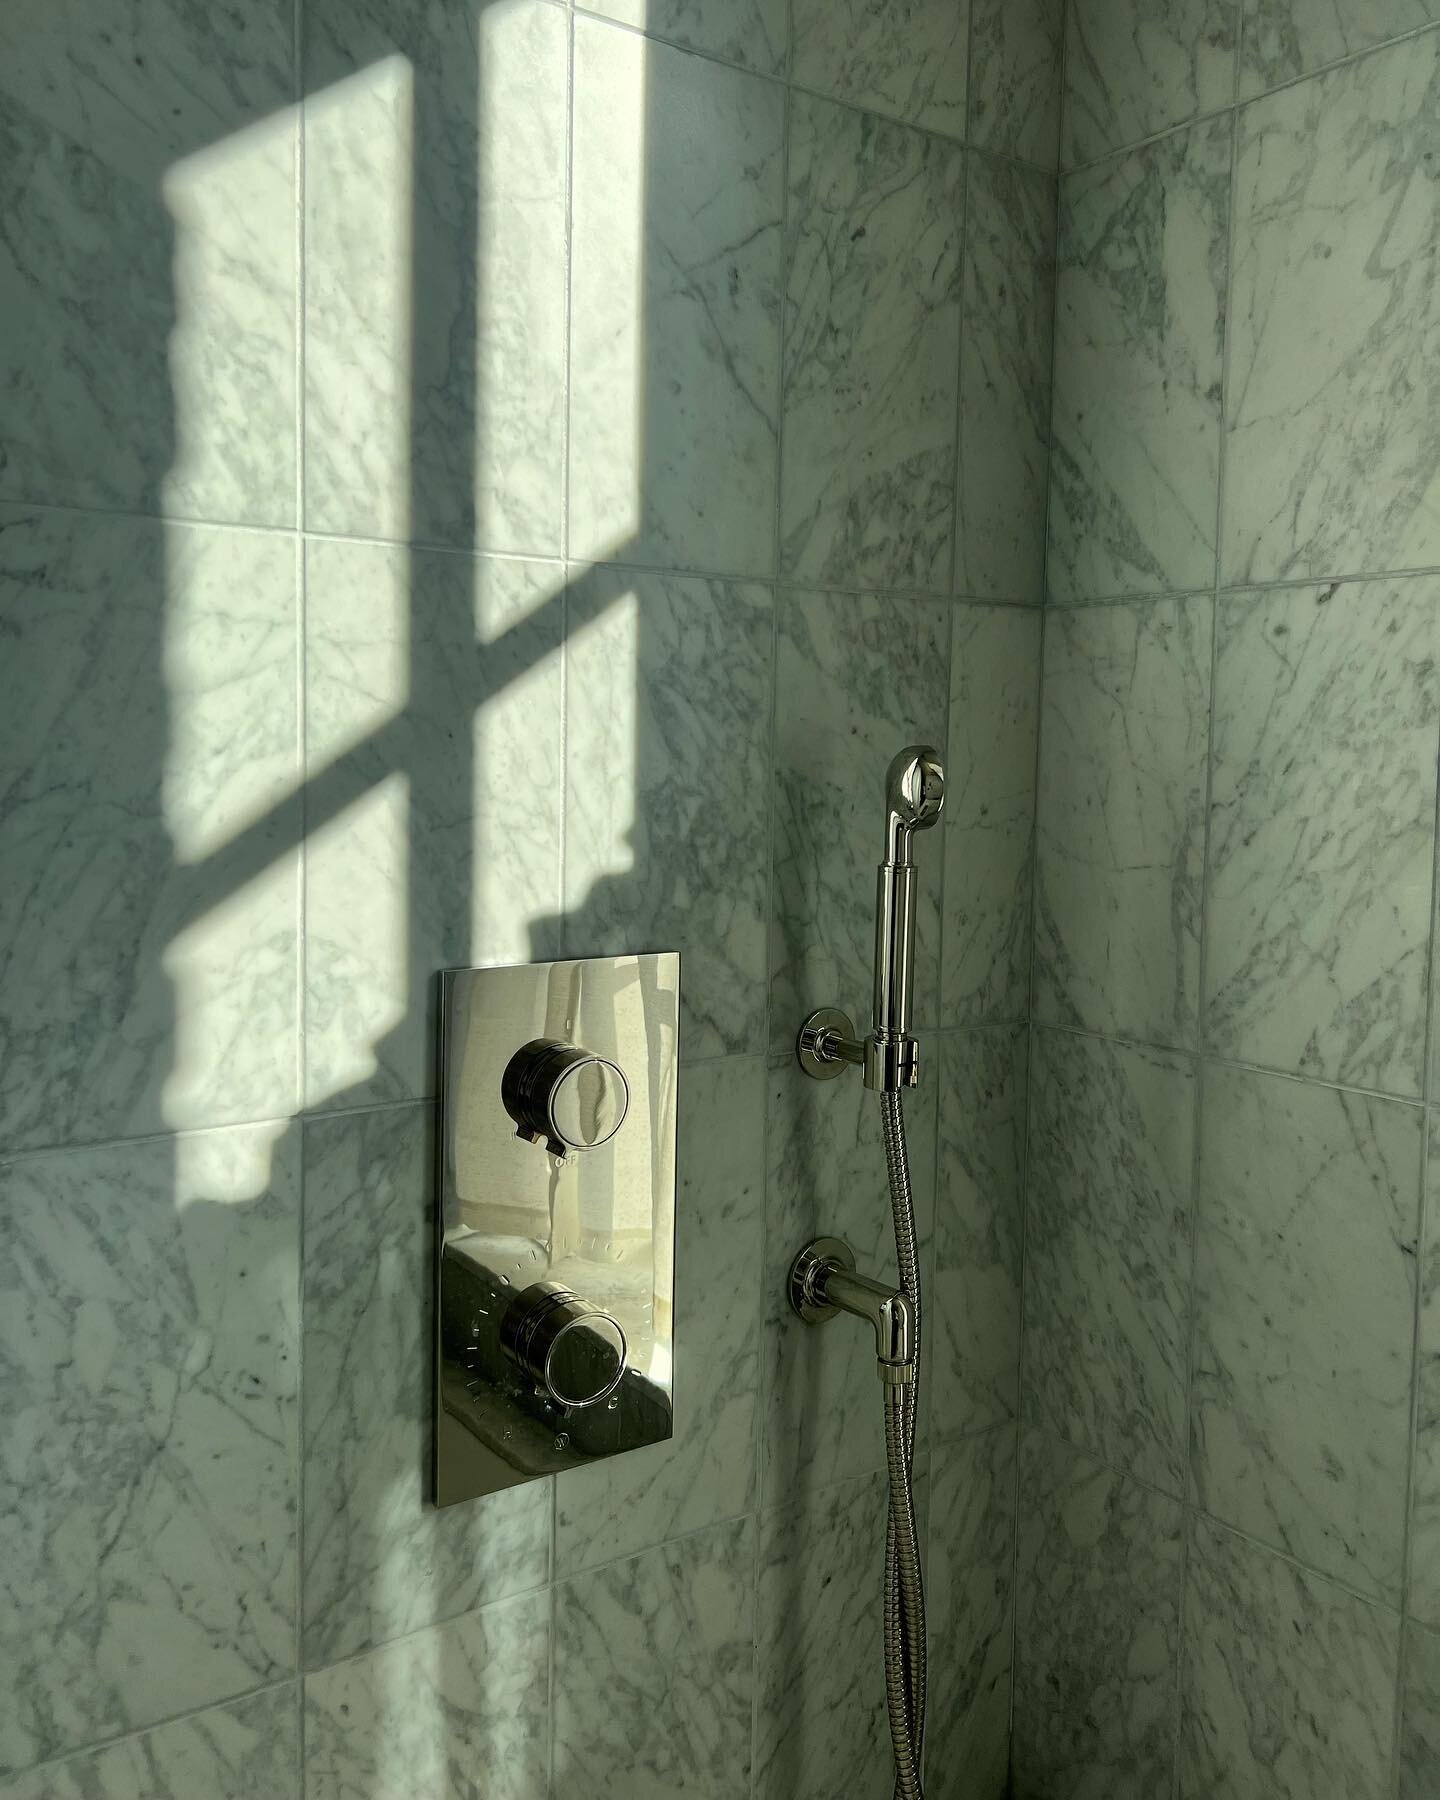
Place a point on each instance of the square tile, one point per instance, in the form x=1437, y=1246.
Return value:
x=1121, y=818
x=748, y=32
x=655, y=1671
x=1137, y=67
x=435, y=253
x=1097, y=1630
x=149, y=920
x=1305, y=1318
x=675, y=310
x=380, y=1560
x=988, y=826
x=1107, y=1250
x=667, y=846
x=1139, y=322
x=705, y=1473
x=149, y=1338
x=858, y=676
x=147, y=177
x=1015, y=78
x=1286, y=38
x=904, y=59
x=872, y=347
x=1330, y=463
x=456, y=1711
x=1322, y=830
x=432, y=699
x=973, y=1320
x=821, y=1719
x=1424, y=1594
x=1006, y=353
x=1420, y=1716
x=1289, y=1683
x=249, y=1750
x=970, y=1577
x=823, y=1420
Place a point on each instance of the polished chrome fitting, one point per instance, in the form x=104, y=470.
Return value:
x=824, y=1282
x=827, y=1046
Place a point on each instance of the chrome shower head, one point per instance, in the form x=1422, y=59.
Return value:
x=914, y=798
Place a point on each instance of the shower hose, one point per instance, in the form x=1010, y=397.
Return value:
x=904, y=1587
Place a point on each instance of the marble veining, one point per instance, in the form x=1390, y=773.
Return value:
x=826, y=1161
x=1134, y=68
x=988, y=825
x=432, y=699
x=1334, y=387
x=859, y=675
x=147, y=178
x=905, y=59
x=1286, y=38
x=655, y=1671
x=973, y=1316
x=872, y=343
x=458, y=1711
x=248, y=1750
x=149, y=1341
x=1420, y=1716
x=1097, y=1630
x=749, y=32
x=380, y=1561
x=435, y=141
x=706, y=1472
x=675, y=310
x=1139, y=320
x=1107, y=1250
x=970, y=1602
x=1015, y=78
x=1005, y=358
x=1322, y=829
x=668, y=703
x=147, y=713
x=822, y=1727
x=1121, y=818
x=1288, y=1685
x=1305, y=1311
x=1424, y=1594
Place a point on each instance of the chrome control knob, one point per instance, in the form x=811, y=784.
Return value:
x=564, y=1097
x=574, y=1352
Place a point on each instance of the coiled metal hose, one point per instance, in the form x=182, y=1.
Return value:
x=905, y=1671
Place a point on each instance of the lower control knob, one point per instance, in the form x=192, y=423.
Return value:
x=572, y=1350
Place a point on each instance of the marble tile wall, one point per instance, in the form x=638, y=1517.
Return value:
x=1229, y=1392
x=479, y=484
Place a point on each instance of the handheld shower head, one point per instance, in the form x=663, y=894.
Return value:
x=914, y=798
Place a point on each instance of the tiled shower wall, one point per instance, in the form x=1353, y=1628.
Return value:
x=480, y=483
x=1229, y=1547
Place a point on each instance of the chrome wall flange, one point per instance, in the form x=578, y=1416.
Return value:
x=814, y=1261
x=827, y=1044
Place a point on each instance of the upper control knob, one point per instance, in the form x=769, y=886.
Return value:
x=564, y=1097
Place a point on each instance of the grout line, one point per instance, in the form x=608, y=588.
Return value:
x=302, y=899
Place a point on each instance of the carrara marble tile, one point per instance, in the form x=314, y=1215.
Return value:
x=1305, y=1315
x=872, y=343
x=1322, y=829
x=1330, y=455
x=435, y=244
x=248, y=1750
x=1015, y=78
x=1288, y=1687
x=1107, y=1250
x=675, y=311
x=1139, y=319
x=748, y=32
x=1124, y=733
x=1420, y=1720
x=906, y=60
x=655, y=1671
x=1424, y=1594
x=380, y=1560
x=433, y=745
x=149, y=1340
x=455, y=1711
x=706, y=1473
x=149, y=915
x=1286, y=38
x=1137, y=67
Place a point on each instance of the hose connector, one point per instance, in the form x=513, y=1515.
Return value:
x=824, y=1281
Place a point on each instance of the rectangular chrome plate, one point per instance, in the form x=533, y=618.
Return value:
x=512, y=1216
